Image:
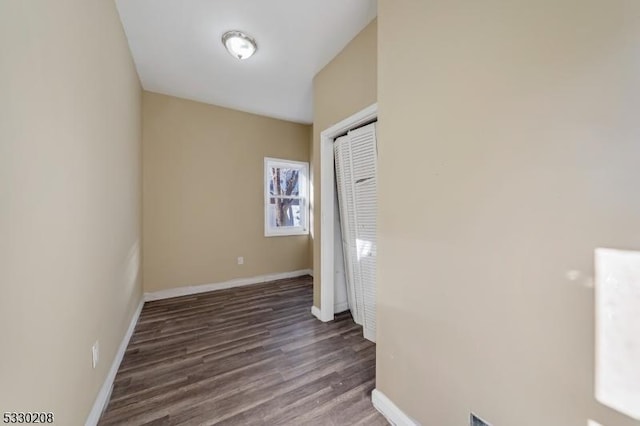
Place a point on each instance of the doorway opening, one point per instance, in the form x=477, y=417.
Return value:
x=328, y=206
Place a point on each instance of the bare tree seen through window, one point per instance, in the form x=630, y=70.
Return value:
x=284, y=185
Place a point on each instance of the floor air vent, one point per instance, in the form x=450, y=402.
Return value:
x=477, y=421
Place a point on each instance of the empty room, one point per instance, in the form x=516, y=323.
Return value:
x=303, y=212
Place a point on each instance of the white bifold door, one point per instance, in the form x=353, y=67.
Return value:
x=356, y=182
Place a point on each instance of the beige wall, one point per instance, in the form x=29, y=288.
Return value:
x=345, y=86
x=508, y=151
x=203, y=193
x=69, y=201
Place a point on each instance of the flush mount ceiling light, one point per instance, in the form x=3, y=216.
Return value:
x=239, y=44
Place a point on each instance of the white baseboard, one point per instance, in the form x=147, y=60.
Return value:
x=391, y=411
x=239, y=282
x=318, y=314
x=341, y=307
x=105, y=391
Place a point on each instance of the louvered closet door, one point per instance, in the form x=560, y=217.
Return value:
x=346, y=202
x=362, y=143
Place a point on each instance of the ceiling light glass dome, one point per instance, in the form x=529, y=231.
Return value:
x=239, y=44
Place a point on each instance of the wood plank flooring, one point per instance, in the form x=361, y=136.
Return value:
x=245, y=356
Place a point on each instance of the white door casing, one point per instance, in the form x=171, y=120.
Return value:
x=327, y=195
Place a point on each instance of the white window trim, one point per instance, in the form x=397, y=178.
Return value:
x=304, y=195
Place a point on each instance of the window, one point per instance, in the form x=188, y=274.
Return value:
x=286, y=208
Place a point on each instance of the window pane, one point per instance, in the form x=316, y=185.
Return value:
x=284, y=181
x=285, y=212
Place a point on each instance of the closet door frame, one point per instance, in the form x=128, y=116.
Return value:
x=327, y=194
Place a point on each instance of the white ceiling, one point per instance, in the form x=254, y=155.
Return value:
x=177, y=49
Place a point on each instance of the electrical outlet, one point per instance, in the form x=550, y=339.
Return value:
x=477, y=421
x=95, y=354
x=240, y=260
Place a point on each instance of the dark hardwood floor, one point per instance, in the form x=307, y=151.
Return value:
x=245, y=356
